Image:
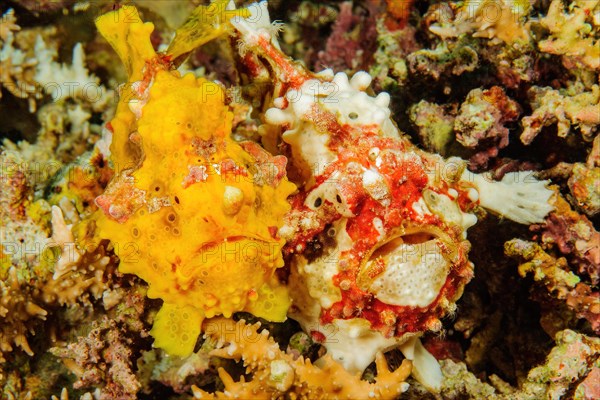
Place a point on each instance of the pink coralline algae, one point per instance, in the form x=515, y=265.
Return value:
x=574, y=235
x=352, y=41
x=480, y=124
x=584, y=182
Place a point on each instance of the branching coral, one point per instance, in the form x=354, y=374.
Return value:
x=275, y=373
x=575, y=237
x=30, y=72
x=64, y=81
x=498, y=32
x=21, y=240
x=8, y=25
x=80, y=274
x=29, y=291
x=500, y=21
x=554, y=272
x=16, y=69
x=18, y=314
x=573, y=35
x=566, y=108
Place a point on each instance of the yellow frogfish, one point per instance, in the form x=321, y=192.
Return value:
x=189, y=210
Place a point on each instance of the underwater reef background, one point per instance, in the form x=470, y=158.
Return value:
x=509, y=85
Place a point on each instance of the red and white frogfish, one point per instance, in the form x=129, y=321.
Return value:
x=377, y=235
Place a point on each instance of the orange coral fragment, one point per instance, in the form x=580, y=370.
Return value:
x=400, y=10
x=275, y=372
